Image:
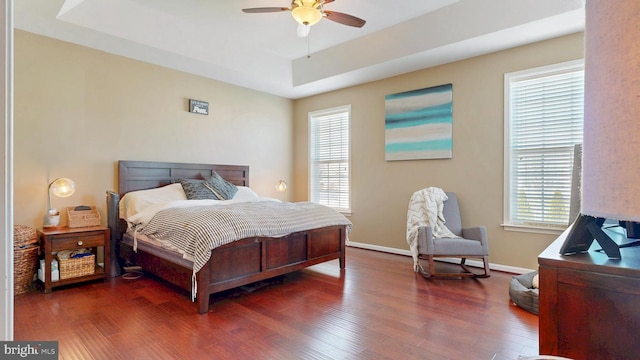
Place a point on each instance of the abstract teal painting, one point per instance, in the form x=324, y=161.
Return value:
x=418, y=124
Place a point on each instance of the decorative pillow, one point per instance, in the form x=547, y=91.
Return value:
x=213, y=190
x=134, y=201
x=196, y=190
x=221, y=187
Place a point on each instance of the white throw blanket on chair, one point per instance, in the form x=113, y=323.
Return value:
x=425, y=209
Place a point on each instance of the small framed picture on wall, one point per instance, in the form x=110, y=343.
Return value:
x=198, y=107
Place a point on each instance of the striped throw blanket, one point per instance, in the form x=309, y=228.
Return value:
x=196, y=230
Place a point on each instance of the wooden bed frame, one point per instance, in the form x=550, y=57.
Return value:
x=239, y=263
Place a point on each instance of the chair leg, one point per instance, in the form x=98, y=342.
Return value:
x=431, y=272
x=432, y=267
x=467, y=272
x=485, y=260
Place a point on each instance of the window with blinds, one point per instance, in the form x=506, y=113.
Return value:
x=329, y=158
x=543, y=122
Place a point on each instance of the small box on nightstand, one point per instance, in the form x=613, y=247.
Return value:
x=83, y=217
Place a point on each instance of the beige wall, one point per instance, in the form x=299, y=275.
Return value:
x=381, y=190
x=78, y=111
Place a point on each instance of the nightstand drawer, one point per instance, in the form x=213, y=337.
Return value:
x=72, y=242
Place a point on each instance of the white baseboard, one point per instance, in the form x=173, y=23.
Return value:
x=470, y=262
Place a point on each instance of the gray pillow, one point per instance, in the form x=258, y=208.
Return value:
x=221, y=187
x=196, y=190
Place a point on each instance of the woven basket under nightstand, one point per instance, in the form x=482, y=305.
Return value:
x=25, y=257
x=70, y=268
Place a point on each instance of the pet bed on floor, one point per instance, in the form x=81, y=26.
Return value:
x=522, y=292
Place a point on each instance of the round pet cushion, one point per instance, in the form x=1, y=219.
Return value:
x=522, y=293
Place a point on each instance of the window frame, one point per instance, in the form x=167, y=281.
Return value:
x=509, y=78
x=313, y=116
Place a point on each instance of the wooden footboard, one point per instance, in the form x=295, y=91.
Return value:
x=249, y=260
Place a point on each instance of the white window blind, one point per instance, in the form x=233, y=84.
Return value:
x=543, y=122
x=329, y=158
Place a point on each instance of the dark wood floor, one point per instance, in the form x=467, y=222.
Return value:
x=376, y=309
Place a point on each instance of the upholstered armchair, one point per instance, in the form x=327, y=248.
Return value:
x=472, y=243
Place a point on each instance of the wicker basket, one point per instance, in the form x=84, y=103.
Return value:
x=70, y=268
x=25, y=257
x=24, y=235
x=83, y=218
x=25, y=262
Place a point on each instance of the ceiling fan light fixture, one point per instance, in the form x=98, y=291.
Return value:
x=306, y=15
x=303, y=30
x=309, y=12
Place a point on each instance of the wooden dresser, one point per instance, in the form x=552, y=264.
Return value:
x=589, y=304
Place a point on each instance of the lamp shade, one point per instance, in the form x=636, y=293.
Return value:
x=611, y=148
x=62, y=187
x=281, y=186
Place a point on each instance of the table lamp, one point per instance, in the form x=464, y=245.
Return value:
x=61, y=187
x=610, y=157
x=281, y=186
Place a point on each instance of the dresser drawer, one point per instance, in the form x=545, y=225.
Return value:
x=73, y=242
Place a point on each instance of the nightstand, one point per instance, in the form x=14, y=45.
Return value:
x=54, y=240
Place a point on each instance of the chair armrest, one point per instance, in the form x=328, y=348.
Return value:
x=425, y=240
x=477, y=233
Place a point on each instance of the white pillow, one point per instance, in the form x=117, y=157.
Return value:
x=245, y=194
x=135, y=201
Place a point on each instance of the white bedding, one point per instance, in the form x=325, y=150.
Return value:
x=195, y=227
x=136, y=201
x=142, y=217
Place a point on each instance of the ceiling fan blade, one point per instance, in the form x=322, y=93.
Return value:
x=344, y=19
x=327, y=1
x=265, y=10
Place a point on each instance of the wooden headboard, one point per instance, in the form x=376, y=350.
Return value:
x=140, y=175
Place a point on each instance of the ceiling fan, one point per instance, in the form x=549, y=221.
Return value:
x=309, y=12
